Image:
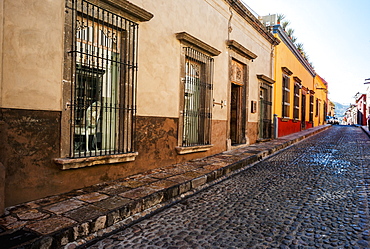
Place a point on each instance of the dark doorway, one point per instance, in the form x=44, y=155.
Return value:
x=303, y=111
x=237, y=134
x=265, y=122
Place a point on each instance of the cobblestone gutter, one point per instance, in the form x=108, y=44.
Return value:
x=77, y=217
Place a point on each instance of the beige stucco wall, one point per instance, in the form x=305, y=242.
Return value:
x=159, y=53
x=32, y=54
x=1, y=48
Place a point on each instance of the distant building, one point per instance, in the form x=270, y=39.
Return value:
x=331, y=109
x=361, y=109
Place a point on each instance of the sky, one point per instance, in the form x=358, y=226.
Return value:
x=335, y=35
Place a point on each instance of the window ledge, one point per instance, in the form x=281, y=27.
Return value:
x=193, y=149
x=75, y=163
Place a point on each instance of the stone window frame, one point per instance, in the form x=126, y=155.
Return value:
x=297, y=98
x=285, y=112
x=312, y=100
x=122, y=8
x=188, y=41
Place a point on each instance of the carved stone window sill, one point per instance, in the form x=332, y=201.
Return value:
x=75, y=163
x=193, y=149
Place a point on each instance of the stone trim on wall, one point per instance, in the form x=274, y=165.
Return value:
x=237, y=47
x=193, y=149
x=265, y=79
x=125, y=8
x=296, y=79
x=187, y=38
x=75, y=163
x=287, y=71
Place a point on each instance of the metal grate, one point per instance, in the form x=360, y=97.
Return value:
x=296, y=102
x=265, y=111
x=104, y=72
x=311, y=107
x=286, y=97
x=197, y=112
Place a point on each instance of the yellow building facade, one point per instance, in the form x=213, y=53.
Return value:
x=321, y=100
x=299, y=94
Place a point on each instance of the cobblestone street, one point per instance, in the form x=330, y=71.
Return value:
x=314, y=194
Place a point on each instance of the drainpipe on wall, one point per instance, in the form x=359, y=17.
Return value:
x=276, y=126
x=2, y=170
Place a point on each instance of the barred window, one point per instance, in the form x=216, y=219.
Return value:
x=197, y=110
x=104, y=66
x=296, y=101
x=311, y=107
x=317, y=107
x=286, y=97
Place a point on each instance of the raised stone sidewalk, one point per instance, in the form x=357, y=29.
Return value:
x=80, y=216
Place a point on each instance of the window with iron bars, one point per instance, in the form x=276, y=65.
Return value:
x=311, y=107
x=286, y=97
x=104, y=69
x=197, y=110
x=296, y=101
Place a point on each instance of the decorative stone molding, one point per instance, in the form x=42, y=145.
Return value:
x=125, y=8
x=265, y=79
x=75, y=163
x=240, y=49
x=193, y=149
x=187, y=38
x=286, y=71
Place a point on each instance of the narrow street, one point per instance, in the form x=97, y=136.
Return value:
x=314, y=194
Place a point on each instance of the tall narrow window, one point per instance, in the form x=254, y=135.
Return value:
x=311, y=107
x=317, y=107
x=265, y=122
x=296, y=102
x=104, y=65
x=197, y=112
x=286, y=97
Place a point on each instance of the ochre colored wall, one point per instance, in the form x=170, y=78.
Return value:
x=284, y=57
x=321, y=94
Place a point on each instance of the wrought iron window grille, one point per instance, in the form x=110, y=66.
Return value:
x=104, y=75
x=197, y=109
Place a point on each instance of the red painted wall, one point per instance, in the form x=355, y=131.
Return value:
x=287, y=127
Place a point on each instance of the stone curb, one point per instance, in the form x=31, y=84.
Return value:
x=365, y=129
x=82, y=216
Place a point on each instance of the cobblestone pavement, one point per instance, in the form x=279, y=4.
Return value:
x=314, y=194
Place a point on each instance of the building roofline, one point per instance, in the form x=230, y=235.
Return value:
x=243, y=11
x=277, y=29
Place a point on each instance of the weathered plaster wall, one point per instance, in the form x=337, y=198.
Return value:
x=31, y=174
x=32, y=90
x=252, y=132
x=159, y=53
x=32, y=54
x=1, y=49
